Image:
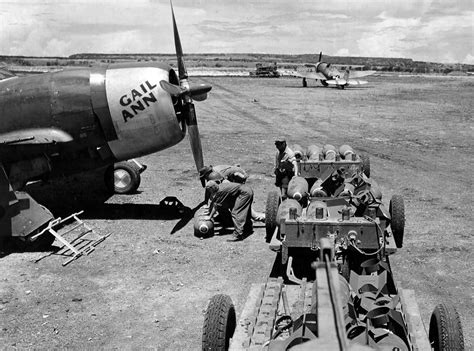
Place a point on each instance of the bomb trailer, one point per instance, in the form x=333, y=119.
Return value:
x=332, y=286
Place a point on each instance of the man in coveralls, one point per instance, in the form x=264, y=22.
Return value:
x=233, y=173
x=236, y=198
x=226, y=173
x=285, y=165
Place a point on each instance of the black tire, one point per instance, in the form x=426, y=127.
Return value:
x=324, y=84
x=365, y=165
x=122, y=178
x=445, y=331
x=305, y=83
x=397, y=223
x=219, y=323
x=271, y=210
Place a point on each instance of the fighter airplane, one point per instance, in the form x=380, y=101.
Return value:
x=82, y=119
x=330, y=75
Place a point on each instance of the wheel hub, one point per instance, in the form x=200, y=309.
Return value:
x=121, y=178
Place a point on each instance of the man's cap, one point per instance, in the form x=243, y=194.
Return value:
x=204, y=171
x=280, y=139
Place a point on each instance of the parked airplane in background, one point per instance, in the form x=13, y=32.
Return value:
x=76, y=120
x=330, y=75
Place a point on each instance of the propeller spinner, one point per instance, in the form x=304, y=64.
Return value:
x=187, y=93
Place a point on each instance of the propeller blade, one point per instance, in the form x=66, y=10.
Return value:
x=320, y=56
x=187, y=93
x=183, y=74
x=173, y=90
x=194, y=138
x=199, y=92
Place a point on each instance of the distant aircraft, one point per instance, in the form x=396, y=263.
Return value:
x=83, y=119
x=329, y=75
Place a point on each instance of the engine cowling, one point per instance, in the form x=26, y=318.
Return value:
x=140, y=117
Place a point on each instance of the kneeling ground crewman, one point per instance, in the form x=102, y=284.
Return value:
x=225, y=173
x=236, y=198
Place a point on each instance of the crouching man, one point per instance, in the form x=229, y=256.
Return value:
x=224, y=174
x=236, y=199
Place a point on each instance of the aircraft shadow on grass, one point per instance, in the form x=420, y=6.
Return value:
x=87, y=192
x=169, y=208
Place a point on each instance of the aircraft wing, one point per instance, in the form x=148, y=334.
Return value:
x=360, y=74
x=307, y=75
x=35, y=136
x=347, y=82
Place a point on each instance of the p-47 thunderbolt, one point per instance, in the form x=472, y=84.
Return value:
x=330, y=75
x=83, y=119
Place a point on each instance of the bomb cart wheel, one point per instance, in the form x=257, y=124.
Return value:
x=271, y=210
x=365, y=165
x=122, y=178
x=397, y=214
x=445, y=331
x=219, y=323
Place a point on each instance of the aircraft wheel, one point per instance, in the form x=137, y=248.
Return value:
x=219, y=323
x=122, y=178
x=271, y=210
x=397, y=214
x=323, y=82
x=305, y=83
x=445, y=331
x=366, y=165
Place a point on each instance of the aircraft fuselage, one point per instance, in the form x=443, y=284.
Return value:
x=82, y=119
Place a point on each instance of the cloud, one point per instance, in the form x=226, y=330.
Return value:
x=469, y=59
x=440, y=38
x=420, y=29
x=342, y=52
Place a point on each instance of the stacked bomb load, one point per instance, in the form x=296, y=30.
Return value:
x=331, y=286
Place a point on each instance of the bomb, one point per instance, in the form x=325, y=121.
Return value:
x=298, y=151
x=346, y=152
x=329, y=152
x=375, y=190
x=297, y=188
x=203, y=224
x=317, y=189
x=284, y=209
x=317, y=209
x=313, y=153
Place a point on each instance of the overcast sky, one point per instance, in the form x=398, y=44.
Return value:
x=438, y=30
